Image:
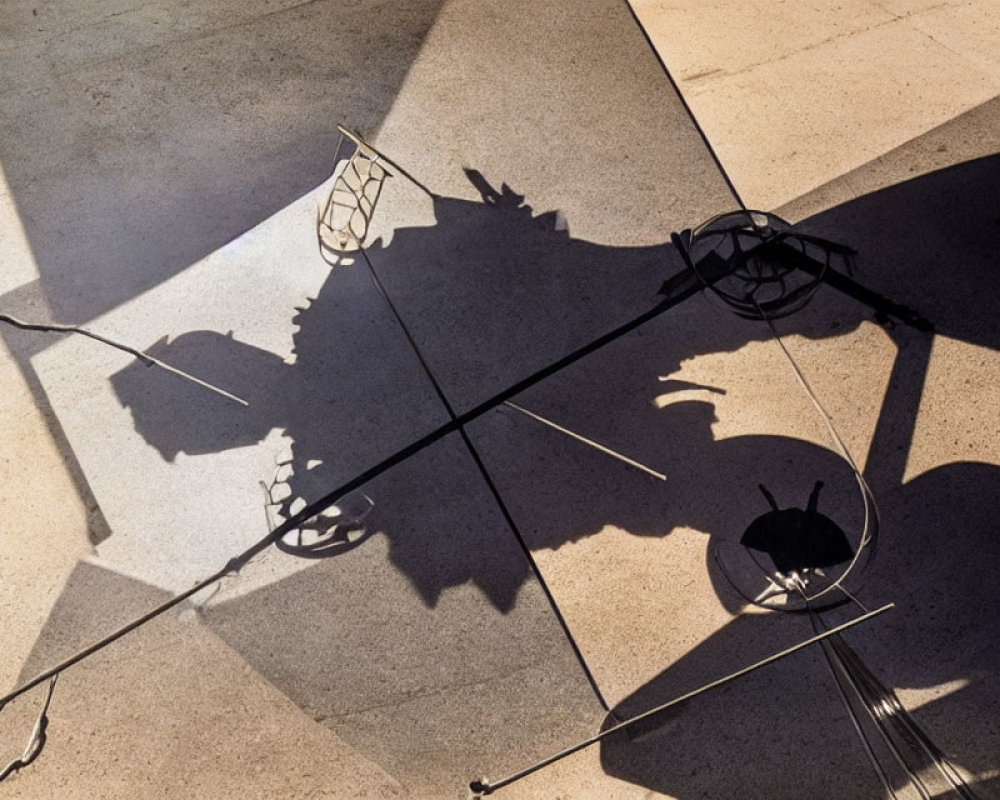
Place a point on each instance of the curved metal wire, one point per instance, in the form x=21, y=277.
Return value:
x=755, y=253
x=764, y=258
x=37, y=738
x=343, y=223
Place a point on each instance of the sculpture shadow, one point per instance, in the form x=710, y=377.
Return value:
x=355, y=393
x=932, y=244
x=491, y=292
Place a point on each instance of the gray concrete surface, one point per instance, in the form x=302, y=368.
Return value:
x=162, y=167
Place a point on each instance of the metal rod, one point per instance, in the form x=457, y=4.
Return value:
x=573, y=435
x=37, y=739
x=144, y=357
x=102, y=643
x=485, y=787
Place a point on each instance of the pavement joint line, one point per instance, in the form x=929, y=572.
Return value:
x=687, y=108
x=490, y=485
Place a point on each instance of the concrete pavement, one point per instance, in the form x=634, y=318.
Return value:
x=162, y=173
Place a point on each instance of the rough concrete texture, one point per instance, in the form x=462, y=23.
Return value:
x=162, y=169
x=847, y=80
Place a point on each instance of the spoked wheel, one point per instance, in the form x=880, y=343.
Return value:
x=331, y=532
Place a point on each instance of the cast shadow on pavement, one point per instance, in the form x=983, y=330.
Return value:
x=930, y=243
x=492, y=292
x=169, y=132
x=355, y=393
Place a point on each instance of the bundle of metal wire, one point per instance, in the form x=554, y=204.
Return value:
x=903, y=756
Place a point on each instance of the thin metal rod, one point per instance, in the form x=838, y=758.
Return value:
x=112, y=637
x=580, y=438
x=144, y=357
x=188, y=377
x=485, y=787
x=833, y=654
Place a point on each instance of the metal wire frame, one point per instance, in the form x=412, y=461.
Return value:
x=344, y=220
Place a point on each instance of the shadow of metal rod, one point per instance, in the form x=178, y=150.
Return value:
x=311, y=510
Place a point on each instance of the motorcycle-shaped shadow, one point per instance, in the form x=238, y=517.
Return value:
x=491, y=293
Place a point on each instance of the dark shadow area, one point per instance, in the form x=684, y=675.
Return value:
x=564, y=490
x=495, y=292
x=932, y=243
x=146, y=711
x=78, y=620
x=343, y=414
x=136, y=142
x=429, y=692
x=355, y=392
x=492, y=292
x=778, y=732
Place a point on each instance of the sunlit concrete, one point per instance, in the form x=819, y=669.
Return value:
x=792, y=96
x=244, y=298
x=44, y=527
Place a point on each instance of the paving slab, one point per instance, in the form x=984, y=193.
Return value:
x=142, y=138
x=708, y=401
x=266, y=319
x=136, y=141
x=791, y=97
x=430, y=648
x=170, y=712
x=441, y=597
x=573, y=114
x=924, y=214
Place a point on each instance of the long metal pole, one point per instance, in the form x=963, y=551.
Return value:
x=483, y=788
